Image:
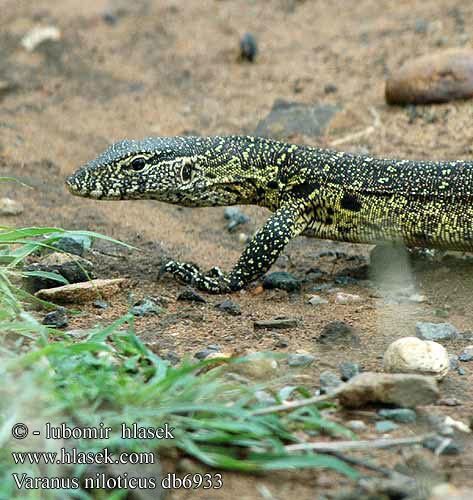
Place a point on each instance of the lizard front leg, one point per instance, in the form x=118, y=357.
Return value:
x=256, y=259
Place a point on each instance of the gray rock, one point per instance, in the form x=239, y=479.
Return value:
x=299, y=359
x=287, y=119
x=248, y=47
x=56, y=319
x=348, y=370
x=100, y=304
x=403, y=415
x=172, y=357
x=453, y=362
x=278, y=323
x=73, y=244
x=281, y=280
x=210, y=349
x=467, y=354
x=188, y=294
x=9, y=207
x=356, y=425
x=236, y=218
x=146, y=307
x=315, y=300
x=386, y=426
x=443, y=446
x=329, y=381
x=229, y=307
x=338, y=332
x=436, y=331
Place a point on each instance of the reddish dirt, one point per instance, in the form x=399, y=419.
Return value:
x=170, y=68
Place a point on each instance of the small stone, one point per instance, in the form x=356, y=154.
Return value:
x=38, y=35
x=436, y=331
x=72, y=244
x=346, y=280
x=330, y=88
x=229, y=307
x=338, y=332
x=405, y=390
x=316, y=300
x=412, y=355
x=100, y=304
x=438, y=77
x=243, y=238
x=146, y=307
x=453, y=362
x=346, y=298
x=279, y=323
x=329, y=381
x=172, y=357
x=386, y=426
x=300, y=359
x=421, y=26
x=190, y=295
x=210, y=349
x=349, y=370
x=403, y=415
x=257, y=366
x=467, y=354
x=356, y=425
x=57, y=318
x=78, y=293
x=443, y=446
x=9, y=207
x=248, y=47
x=448, y=402
x=444, y=491
x=281, y=280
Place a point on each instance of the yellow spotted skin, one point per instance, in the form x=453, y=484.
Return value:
x=312, y=191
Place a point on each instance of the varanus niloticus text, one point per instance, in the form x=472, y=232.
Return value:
x=312, y=191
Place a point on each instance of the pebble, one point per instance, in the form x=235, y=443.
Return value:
x=330, y=88
x=100, y=304
x=444, y=491
x=287, y=119
x=386, y=426
x=316, y=300
x=9, y=207
x=404, y=390
x=467, y=354
x=257, y=366
x=229, y=307
x=329, y=381
x=248, y=47
x=338, y=332
x=172, y=357
x=190, y=295
x=403, y=415
x=57, y=318
x=279, y=323
x=436, y=331
x=438, y=77
x=281, y=280
x=413, y=355
x=38, y=35
x=356, y=425
x=72, y=244
x=443, y=446
x=79, y=293
x=146, y=307
x=349, y=370
x=236, y=218
x=299, y=359
x=210, y=349
x=346, y=298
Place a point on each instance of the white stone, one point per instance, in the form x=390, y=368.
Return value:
x=413, y=355
x=346, y=298
x=316, y=300
x=10, y=207
x=39, y=35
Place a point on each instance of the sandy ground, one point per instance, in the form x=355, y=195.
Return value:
x=170, y=68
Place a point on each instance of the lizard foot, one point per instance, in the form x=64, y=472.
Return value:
x=214, y=281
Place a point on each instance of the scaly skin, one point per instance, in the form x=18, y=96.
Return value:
x=314, y=192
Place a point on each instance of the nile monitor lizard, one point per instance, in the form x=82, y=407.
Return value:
x=313, y=192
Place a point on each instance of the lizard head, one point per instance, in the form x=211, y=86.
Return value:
x=188, y=171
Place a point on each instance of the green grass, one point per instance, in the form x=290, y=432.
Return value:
x=113, y=378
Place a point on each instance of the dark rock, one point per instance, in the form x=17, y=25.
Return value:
x=348, y=370
x=299, y=359
x=278, y=323
x=329, y=381
x=436, y=331
x=281, y=342
x=190, y=295
x=453, y=362
x=437, y=77
x=75, y=245
x=467, y=354
x=172, y=357
x=287, y=119
x=210, y=349
x=229, y=307
x=248, y=47
x=330, y=88
x=281, y=280
x=235, y=217
x=345, y=280
x=403, y=415
x=57, y=318
x=338, y=332
x=111, y=19
x=386, y=426
x=100, y=304
x=146, y=307
x=443, y=446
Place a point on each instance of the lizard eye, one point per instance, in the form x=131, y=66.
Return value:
x=186, y=172
x=137, y=164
